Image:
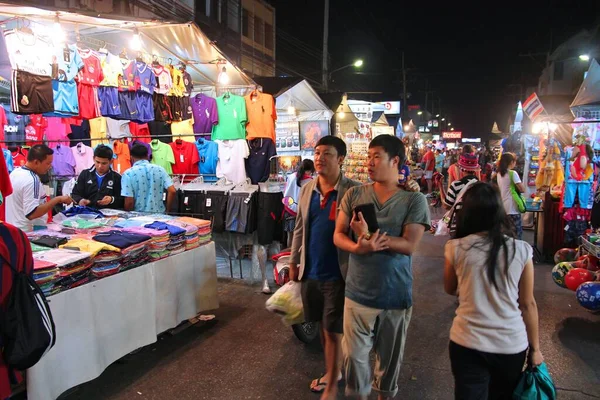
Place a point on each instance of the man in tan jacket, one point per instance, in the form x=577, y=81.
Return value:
x=322, y=269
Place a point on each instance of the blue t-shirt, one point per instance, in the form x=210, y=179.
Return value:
x=99, y=179
x=208, y=152
x=403, y=175
x=322, y=259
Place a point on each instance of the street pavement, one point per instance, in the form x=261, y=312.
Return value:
x=247, y=353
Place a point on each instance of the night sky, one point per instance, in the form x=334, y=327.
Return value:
x=467, y=55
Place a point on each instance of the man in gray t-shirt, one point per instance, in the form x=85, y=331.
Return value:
x=379, y=279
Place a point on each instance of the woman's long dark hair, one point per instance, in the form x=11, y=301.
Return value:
x=305, y=166
x=483, y=212
x=505, y=161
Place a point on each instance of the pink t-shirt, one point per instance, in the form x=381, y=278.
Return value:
x=57, y=131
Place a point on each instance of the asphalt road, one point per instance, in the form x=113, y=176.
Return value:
x=248, y=354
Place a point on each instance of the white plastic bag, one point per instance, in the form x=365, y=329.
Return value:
x=287, y=301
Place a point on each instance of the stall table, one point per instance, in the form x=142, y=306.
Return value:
x=98, y=323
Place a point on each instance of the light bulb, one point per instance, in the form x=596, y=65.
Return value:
x=59, y=34
x=341, y=114
x=291, y=110
x=223, y=78
x=136, y=41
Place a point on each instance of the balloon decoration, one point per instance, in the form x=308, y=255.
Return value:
x=580, y=274
x=576, y=277
x=560, y=271
x=588, y=295
x=565, y=254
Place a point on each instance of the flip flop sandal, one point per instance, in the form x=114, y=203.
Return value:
x=319, y=386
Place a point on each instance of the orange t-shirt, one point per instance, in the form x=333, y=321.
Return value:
x=260, y=108
x=122, y=162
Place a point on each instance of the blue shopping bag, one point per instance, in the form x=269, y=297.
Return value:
x=535, y=384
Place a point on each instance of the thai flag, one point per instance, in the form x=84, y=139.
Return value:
x=533, y=106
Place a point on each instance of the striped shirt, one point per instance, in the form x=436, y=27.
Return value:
x=456, y=187
x=28, y=194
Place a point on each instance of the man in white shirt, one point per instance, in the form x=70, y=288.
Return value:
x=26, y=207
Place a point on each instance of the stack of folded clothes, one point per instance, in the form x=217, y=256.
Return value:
x=45, y=274
x=102, y=270
x=105, y=257
x=48, y=240
x=37, y=248
x=133, y=246
x=204, y=230
x=157, y=248
x=73, y=266
x=176, y=239
x=192, y=240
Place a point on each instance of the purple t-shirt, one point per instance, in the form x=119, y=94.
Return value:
x=63, y=162
x=131, y=144
x=205, y=113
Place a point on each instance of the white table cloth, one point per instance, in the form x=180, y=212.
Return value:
x=98, y=323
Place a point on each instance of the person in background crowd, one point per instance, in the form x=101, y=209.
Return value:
x=379, y=281
x=448, y=160
x=468, y=171
x=99, y=186
x=508, y=161
x=27, y=207
x=439, y=160
x=291, y=195
x=454, y=170
x=322, y=270
x=428, y=162
x=497, y=317
x=143, y=184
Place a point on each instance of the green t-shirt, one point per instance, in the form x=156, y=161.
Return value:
x=162, y=154
x=383, y=279
x=232, y=118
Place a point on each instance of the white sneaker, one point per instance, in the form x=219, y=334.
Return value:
x=266, y=289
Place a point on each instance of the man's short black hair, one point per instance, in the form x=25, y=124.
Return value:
x=139, y=152
x=39, y=152
x=334, y=141
x=391, y=145
x=103, y=151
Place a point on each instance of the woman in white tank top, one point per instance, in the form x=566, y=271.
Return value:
x=497, y=319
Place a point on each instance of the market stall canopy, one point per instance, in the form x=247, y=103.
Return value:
x=588, y=96
x=557, y=111
x=379, y=119
x=296, y=93
x=162, y=41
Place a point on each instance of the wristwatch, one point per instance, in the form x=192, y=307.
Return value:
x=368, y=235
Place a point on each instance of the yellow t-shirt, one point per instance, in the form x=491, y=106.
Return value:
x=178, y=88
x=183, y=128
x=111, y=69
x=90, y=246
x=98, y=131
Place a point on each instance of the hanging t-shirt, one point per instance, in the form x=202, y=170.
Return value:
x=258, y=163
x=57, y=131
x=91, y=73
x=145, y=80
x=145, y=144
x=34, y=132
x=183, y=130
x=162, y=155
x=186, y=157
x=232, y=118
x=127, y=78
x=162, y=129
x=63, y=162
x=112, y=69
x=188, y=83
x=232, y=154
x=80, y=132
x=14, y=129
x=121, y=159
x=117, y=129
x=19, y=157
x=29, y=52
x=204, y=111
x=98, y=131
x=178, y=87
x=261, y=116
x=68, y=61
x=141, y=131
x=8, y=161
x=208, y=152
x=163, y=80
x=84, y=157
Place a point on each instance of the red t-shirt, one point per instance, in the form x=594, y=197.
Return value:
x=186, y=157
x=34, y=132
x=19, y=157
x=429, y=161
x=3, y=121
x=138, y=130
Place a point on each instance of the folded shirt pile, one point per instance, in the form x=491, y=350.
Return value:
x=37, y=248
x=90, y=246
x=204, y=230
x=73, y=266
x=102, y=270
x=160, y=238
x=50, y=241
x=192, y=240
x=45, y=274
x=177, y=236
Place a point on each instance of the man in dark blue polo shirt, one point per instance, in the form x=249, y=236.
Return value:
x=316, y=261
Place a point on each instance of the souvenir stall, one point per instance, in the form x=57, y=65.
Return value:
x=73, y=85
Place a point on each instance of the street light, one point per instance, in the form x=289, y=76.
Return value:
x=437, y=116
x=420, y=112
x=449, y=124
x=358, y=63
x=451, y=129
x=584, y=57
x=443, y=119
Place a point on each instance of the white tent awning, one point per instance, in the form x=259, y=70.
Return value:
x=589, y=91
